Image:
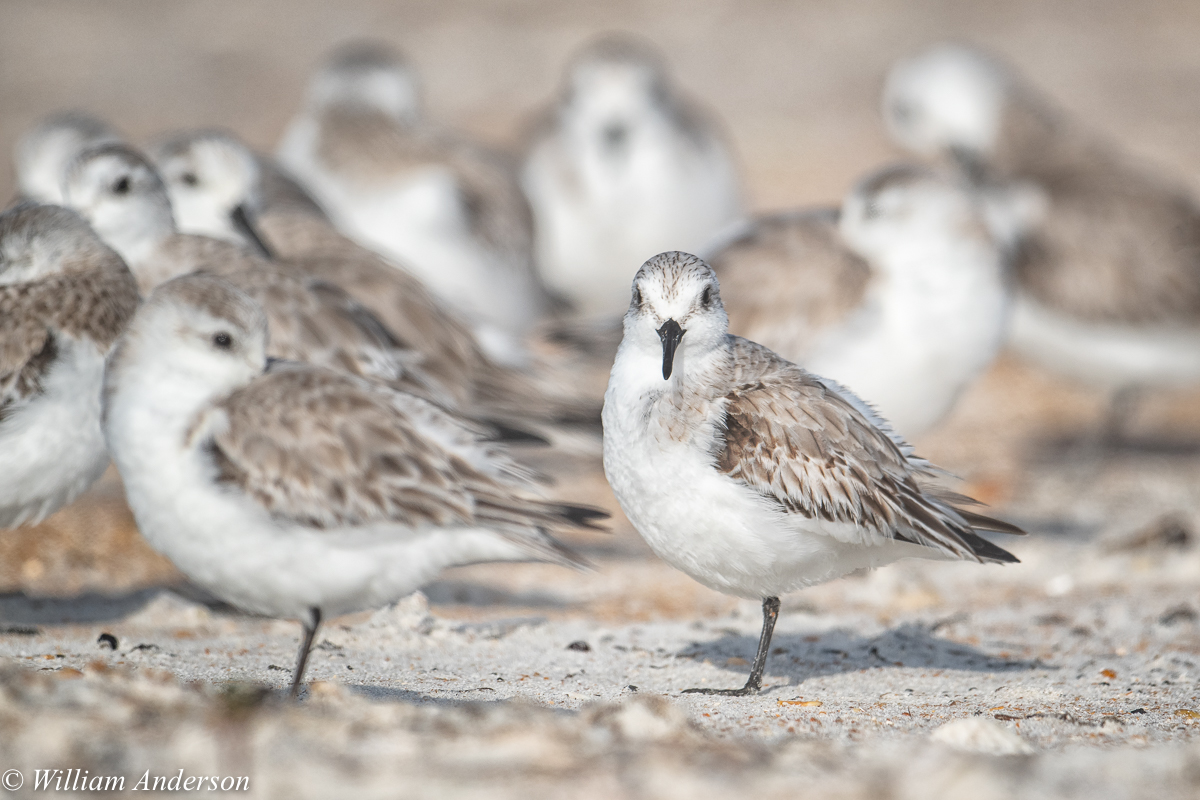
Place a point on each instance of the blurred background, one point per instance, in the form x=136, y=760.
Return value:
x=796, y=85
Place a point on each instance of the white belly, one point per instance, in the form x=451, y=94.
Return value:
x=718, y=531
x=1109, y=356
x=52, y=449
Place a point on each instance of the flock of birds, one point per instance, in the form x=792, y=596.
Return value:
x=317, y=373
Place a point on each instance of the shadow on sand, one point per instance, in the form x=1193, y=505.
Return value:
x=834, y=652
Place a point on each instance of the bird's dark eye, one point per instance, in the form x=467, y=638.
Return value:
x=637, y=296
x=706, y=297
x=121, y=186
x=189, y=178
x=222, y=341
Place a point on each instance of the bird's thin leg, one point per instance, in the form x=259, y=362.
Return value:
x=1121, y=408
x=754, y=682
x=310, y=632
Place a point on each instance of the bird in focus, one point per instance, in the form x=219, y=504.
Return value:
x=752, y=475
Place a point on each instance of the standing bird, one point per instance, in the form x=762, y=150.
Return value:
x=44, y=152
x=64, y=299
x=122, y=196
x=296, y=491
x=901, y=296
x=752, y=475
x=218, y=186
x=623, y=166
x=440, y=206
x=1107, y=253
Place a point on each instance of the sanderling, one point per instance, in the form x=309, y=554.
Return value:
x=301, y=492
x=438, y=205
x=623, y=166
x=120, y=193
x=901, y=296
x=217, y=185
x=1105, y=252
x=752, y=475
x=64, y=299
x=43, y=153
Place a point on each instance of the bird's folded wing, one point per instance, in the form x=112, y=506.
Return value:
x=799, y=442
x=27, y=351
x=327, y=450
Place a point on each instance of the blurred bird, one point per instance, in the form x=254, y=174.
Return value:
x=1107, y=253
x=218, y=186
x=43, y=153
x=438, y=205
x=901, y=296
x=623, y=166
x=64, y=299
x=120, y=193
x=752, y=475
x=295, y=491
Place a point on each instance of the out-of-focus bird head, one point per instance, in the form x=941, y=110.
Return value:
x=214, y=182
x=44, y=153
x=369, y=74
x=947, y=100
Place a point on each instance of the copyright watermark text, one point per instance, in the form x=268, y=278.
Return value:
x=80, y=780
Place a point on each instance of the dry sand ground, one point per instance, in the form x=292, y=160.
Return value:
x=1075, y=673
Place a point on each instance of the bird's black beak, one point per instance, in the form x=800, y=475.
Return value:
x=670, y=333
x=243, y=225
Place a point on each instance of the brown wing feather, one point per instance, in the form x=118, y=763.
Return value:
x=313, y=248
x=94, y=298
x=797, y=440
x=327, y=450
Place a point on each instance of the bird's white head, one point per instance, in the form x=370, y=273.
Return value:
x=43, y=154
x=948, y=99
x=121, y=195
x=196, y=337
x=615, y=87
x=676, y=311
x=369, y=74
x=903, y=207
x=214, y=182
x=37, y=241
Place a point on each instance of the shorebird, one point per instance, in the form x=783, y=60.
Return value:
x=64, y=299
x=43, y=153
x=622, y=166
x=296, y=491
x=220, y=187
x=1107, y=252
x=752, y=475
x=121, y=195
x=902, y=295
x=436, y=204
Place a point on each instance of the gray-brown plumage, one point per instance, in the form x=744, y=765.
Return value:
x=1098, y=237
x=792, y=438
x=74, y=287
x=311, y=320
x=445, y=208
x=318, y=448
x=64, y=299
x=213, y=178
x=789, y=277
